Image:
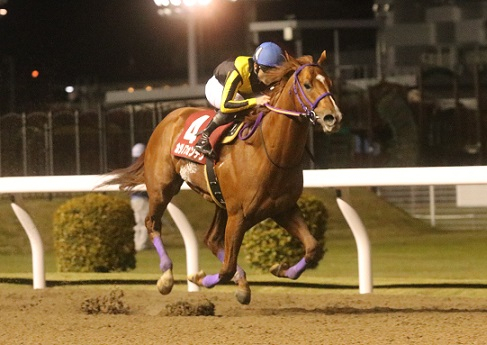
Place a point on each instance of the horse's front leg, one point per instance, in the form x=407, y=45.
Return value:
x=234, y=232
x=214, y=240
x=294, y=223
x=243, y=294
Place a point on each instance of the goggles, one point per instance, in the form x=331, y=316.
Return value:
x=265, y=68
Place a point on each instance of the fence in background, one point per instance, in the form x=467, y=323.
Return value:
x=342, y=178
x=73, y=142
x=438, y=206
x=450, y=120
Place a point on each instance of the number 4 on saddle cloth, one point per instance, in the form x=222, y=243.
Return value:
x=196, y=122
x=184, y=146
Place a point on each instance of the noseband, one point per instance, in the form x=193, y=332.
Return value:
x=307, y=105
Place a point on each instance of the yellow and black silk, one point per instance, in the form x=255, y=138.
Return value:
x=238, y=77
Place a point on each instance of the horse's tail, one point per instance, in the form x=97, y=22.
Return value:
x=128, y=177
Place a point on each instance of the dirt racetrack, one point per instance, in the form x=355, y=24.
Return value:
x=55, y=316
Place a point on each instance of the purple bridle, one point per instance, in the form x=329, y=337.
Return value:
x=307, y=105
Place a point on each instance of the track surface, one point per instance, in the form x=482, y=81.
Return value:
x=55, y=316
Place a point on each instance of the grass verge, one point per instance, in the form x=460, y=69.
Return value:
x=408, y=256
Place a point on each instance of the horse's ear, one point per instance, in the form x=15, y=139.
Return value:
x=287, y=56
x=322, y=58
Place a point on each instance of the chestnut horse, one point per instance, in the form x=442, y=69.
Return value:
x=260, y=177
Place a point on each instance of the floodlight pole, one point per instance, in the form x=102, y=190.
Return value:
x=192, y=51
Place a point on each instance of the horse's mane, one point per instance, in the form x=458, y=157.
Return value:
x=282, y=74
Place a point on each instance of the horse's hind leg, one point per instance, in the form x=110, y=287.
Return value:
x=159, y=198
x=214, y=240
x=294, y=223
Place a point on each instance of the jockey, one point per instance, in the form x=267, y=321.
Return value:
x=236, y=86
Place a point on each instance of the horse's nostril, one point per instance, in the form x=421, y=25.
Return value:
x=329, y=119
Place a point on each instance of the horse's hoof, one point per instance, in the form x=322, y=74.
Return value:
x=196, y=278
x=243, y=295
x=279, y=270
x=165, y=282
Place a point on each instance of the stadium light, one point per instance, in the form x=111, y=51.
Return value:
x=3, y=9
x=175, y=7
x=181, y=3
x=161, y=2
x=189, y=8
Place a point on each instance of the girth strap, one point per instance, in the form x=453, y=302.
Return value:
x=213, y=185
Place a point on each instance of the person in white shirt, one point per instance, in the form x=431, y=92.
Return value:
x=139, y=201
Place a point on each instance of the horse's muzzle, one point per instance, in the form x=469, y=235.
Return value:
x=330, y=122
x=329, y=119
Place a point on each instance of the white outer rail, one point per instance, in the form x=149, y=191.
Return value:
x=83, y=183
x=338, y=178
x=39, y=280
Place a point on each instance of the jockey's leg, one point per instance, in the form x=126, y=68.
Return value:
x=203, y=145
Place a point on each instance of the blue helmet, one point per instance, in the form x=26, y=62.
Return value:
x=269, y=54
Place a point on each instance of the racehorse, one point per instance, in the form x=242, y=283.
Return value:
x=260, y=177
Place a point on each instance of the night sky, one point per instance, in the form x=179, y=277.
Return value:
x=73, y=41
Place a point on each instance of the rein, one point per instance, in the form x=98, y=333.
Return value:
x=256, y=124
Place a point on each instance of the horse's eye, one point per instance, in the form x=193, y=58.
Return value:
x=307, y=86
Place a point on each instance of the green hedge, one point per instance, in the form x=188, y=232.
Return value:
x=94, y=233
x=267, y=243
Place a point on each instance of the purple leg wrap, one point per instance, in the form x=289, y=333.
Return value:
x=221, y=254
x=166, y=262
x=295, y=271
x=211, y=280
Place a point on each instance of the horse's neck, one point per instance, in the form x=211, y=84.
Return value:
x=285, y=136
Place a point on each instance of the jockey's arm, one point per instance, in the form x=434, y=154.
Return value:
x=230, y=90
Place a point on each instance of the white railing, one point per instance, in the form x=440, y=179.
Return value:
x=337, y=178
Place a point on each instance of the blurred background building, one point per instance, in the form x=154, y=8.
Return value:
x=409, y=76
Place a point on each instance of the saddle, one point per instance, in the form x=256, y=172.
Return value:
x=184, y=147
x=194, y=125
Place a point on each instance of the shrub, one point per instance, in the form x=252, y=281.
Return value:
x=267, y=243
x=94, y=233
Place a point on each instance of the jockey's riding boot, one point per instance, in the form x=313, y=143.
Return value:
x=203, y=145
